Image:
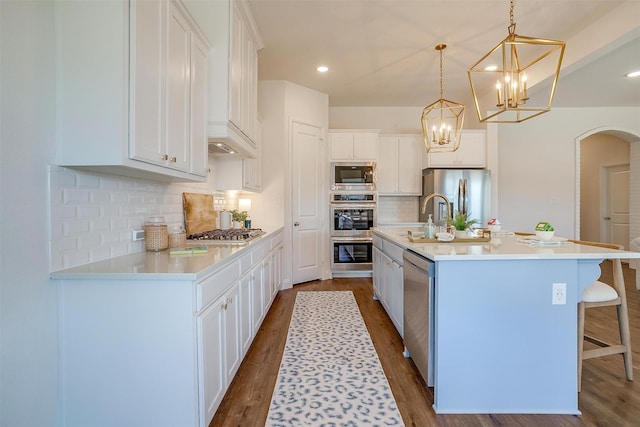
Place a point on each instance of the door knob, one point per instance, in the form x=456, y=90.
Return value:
x=295, y=224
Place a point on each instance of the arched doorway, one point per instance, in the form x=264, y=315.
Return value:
x=608, y=176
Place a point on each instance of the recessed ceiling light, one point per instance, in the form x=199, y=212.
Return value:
x=323, y=69
x=634, y=74
x=491, y=68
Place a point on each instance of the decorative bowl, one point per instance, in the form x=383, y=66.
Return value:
x=544, y=235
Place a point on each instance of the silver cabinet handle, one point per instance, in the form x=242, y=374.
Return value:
x=295, y=224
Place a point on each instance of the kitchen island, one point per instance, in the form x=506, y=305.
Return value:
x=499, y=343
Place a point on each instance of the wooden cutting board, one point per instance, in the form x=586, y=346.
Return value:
x=199, y=215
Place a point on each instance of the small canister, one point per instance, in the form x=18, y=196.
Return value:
x=177, y=237
x=156, y=235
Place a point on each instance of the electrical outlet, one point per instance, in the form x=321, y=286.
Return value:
x=559, y=293
x=137, y=235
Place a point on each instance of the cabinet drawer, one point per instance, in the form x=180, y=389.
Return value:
x=393, y=251
x=245, y=263
x=377, y=242
x=277, y=240
x=215, y=285
x=259, y=253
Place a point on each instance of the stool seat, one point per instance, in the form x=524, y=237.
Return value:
x=599, y=292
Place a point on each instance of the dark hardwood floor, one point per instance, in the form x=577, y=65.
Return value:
x=607, y=398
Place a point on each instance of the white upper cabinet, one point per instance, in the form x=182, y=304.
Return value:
x=128, y=96
x=399, y=168
x=472, y=153
x=235, y=173
x=353, y=145
x=233, y=79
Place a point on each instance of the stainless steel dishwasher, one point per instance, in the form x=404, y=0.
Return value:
x=419, y=283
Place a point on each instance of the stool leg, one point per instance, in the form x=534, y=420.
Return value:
x=623, y=318
x=580, y=342
x=625, y=339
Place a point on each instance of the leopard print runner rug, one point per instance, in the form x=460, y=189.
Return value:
x=330, y=374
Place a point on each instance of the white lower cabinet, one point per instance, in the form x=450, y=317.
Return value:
x=212, y=374
x=172, y=346
x=388, y=285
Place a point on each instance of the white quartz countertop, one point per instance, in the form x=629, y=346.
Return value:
x=503, y=248
x=162, y=265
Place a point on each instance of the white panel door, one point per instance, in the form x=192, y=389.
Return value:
x=307, y=179
x=617, y=217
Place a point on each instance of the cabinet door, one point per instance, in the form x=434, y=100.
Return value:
x=471, y=153
x=473, y=150
x=387, y=166
x=235, y=67
x=147, y=81
x=341, y=146
x=387, y=281
x=198, y=140
x=377, y=272
x=397, y=298
x=267, y=285
x=246, y=322
x=178, y=101
x=410, y=165
x=365, y=146
x=211, y=355
x=257, y=293
x=252, y=168
x=232, y=335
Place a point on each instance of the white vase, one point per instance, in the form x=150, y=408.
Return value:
x=461, y=234
x=237, y=224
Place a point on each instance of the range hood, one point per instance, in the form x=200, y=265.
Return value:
x=225, y=139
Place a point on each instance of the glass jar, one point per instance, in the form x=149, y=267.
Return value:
x=156, y=235
x=177, y=237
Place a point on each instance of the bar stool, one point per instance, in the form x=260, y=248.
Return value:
x=634, y=246
x=600, y=295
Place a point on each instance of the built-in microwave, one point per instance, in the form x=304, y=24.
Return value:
x=353, y=176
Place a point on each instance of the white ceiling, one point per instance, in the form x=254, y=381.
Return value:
x=382, y=52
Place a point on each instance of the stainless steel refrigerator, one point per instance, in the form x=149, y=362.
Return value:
x=468, y=190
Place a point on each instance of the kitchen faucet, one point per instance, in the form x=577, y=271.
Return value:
x=433, y=195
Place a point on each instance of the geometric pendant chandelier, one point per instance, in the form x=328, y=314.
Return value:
x=499, y=79
x=442, y=121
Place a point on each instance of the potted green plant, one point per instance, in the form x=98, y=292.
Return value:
x=461, y=223
x=238, y=218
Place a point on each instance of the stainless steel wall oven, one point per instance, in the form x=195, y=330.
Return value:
x=353, y=215
x=352, y=254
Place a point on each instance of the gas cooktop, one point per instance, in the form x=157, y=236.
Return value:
x=232, y=235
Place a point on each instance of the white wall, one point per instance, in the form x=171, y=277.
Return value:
x=280, y=103
x=28, y=370
x=537, y=162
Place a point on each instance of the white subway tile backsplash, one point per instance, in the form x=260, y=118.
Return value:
x=92, y=214
x=72, y=195
x=88, y=211
x=75, y=227
x=393, y=209
x=88, y=181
